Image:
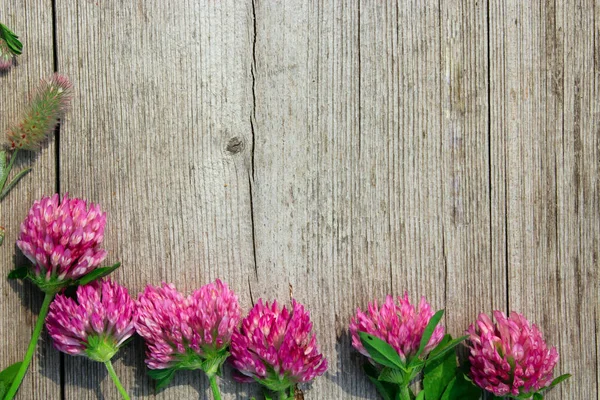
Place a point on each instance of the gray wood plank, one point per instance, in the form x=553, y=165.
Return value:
x=475, y=271
x=545, y=121
x=306, y=196
x=164, y=94
x=578, y=196
x=367, y=180
x=32, y=21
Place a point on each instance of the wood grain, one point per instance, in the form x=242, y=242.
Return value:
x=161, y=137
x=328, y=151
x=305, y=191
x=545, y=124
x=473, y=253
x=367, y=181
x=32, y=21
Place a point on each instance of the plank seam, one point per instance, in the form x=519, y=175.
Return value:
x=441, y=99
x=251, y=175
x=359, y=86
x=489, y=126
x=596, y=325
x=253, y=73
x=57, y=169
x=253, y=228
x=597, y=357
x=505, y=170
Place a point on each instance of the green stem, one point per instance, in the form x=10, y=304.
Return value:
x=283, y=395
x=405, y=393
x=115, y=378
x=215, y=388
x=32, y=345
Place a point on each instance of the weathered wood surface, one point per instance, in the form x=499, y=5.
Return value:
x=334, y=151
x=20, y=303
x=545, y=121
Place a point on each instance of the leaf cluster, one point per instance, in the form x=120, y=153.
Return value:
x=11, y=39
x=442, y=380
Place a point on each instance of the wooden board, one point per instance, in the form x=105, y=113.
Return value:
x=330, y=152
x=545, y=125
x=32, y=21
x=162, y=101
x=367, y=180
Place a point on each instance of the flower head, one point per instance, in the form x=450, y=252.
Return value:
x=400, y=325
x=6, y=57
x=96, y=324
x=191, y=332
x=62, y=239
x=509, y=357
x=276, y=347
x=50, y=101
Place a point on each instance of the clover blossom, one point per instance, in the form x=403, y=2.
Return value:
x=276, y=347
x=62, y=239
x=192, y=332
x=511, y=356
x=401, y=325
x=95, y=324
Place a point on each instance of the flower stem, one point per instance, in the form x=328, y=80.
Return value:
x=283, y=395
x=405, y=393
x=115, y=378
x=31, y=349
x=215, y=388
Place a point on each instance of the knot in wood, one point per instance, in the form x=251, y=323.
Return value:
x=235, y=145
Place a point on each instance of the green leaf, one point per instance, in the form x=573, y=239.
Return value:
x=19, y=273
x=12, y=183
x=162, y=376
x=438, y=352
x=2, y=162
x=7, y=169
x=440, y=371
x=380, y=351
x=157, y=374
x=370, y=370
x=538, y=396
x=7, y=376
x=392, y=375
x=212, y=365
x=268, y=395
x=461, y=389
x=97, y=274
x=386, y=390
x=405, y=394
x=558, y=380
x=274, y=383
x=12, y=40
x=428, y=332
x=421, y=395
